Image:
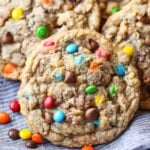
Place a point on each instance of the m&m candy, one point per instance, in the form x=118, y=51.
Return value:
x=25, y=134
x=98, y=99
x=58, y=116
x=112, y=90
x=94, y=65
x=42, y=32
x=9, y=68
x=71, y=48
x=115, y=9
x=91, y=89
x=103, y=53
x=17, y=13
x=129, y=50
x=4, y=118
x=37, y=138
x=80, y=59
x=13, y=134
x=48, y=102
x=87, y=148
x=47, y=1
x=120, y=70
x=14, y=106
x=96, y=122
x=58, y=77
x=30, y=144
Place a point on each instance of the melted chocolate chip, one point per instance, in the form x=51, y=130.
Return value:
x=48, y=117
x=7, y=38
x=92, y=114
x=70, y=77
x=91, y=44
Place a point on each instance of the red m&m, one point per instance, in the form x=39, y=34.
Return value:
x=48, y=102
x=14, y=106
x=103, y=53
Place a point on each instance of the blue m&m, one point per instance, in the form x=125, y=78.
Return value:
x=96, y=122
x=120, y=70
x=80, y=59
x=58, y=116
x=58, y=77
x=71, y=48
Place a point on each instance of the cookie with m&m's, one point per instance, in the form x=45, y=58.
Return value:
x=24, y=23
x=76, y=92
x=130, y=29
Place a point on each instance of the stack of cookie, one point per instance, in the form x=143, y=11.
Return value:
x=83, y=70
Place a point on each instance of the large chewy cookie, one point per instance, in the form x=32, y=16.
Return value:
x=76, y=92
x=130, y=28
x=24, y=23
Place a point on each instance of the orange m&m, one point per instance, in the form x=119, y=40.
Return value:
x=4, y=118
x=37, y=138
x=47, y=1
x=9, y=68
x=94, y=65
x=87, y=148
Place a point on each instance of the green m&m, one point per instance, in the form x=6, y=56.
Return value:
x=42, y=32
x=112, y=90
x=115, y=9
x=91, y=89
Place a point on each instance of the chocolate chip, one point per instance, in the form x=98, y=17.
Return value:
x=7, y=38
x=72, y=1
x=69, y=77
x=92, y=114
x=13, y=134
x=147, y=40
x=30, y=144
x=91, y=44
x=147, y=76
x=58, y=102
x=48, y=117
x=147, y=79
x=145, y=19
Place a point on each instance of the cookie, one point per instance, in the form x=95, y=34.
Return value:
x=24, y=23
x=130, y=28
x=76, y=92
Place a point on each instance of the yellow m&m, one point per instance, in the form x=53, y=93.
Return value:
x=25, y=134
x=129, y=50
x=98, y=100
x=17, y=13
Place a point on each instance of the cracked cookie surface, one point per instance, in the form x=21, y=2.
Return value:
x=24, y=23
x=76, y=92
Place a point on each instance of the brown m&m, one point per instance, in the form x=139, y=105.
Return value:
x=13, y=134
